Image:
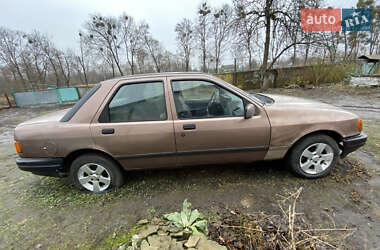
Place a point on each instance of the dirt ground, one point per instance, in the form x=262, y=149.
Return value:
x=42, y=212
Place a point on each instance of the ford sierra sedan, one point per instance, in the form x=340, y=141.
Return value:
x=182, y=119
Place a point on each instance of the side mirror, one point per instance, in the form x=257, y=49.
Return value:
x=250, y=110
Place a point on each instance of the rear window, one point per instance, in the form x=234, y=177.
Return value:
x=79, y=104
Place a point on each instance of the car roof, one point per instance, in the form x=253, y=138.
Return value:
x=163, y=74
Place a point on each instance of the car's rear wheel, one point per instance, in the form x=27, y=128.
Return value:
x=95, y=173
x=314, y=156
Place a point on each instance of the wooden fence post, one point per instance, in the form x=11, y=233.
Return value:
x=234, y=76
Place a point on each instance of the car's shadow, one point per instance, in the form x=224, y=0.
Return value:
x=207, y=172
x=259, y=177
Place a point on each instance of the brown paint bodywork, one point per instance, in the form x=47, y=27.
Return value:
x=155, y=144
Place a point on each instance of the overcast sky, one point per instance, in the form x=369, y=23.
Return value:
x=61, y=19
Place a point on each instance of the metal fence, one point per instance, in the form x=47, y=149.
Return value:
x=59, y=95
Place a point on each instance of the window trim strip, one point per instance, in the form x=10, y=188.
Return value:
x=105, y=112
x=212, y=82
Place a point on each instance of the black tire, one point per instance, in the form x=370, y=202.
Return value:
x=294, y=156
x=113, y=171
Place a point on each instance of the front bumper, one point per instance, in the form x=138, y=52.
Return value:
x=352, y=143
x=42, y=166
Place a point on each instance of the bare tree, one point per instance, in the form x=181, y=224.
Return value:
x=372, y=39
x=222, y=23
x=11, y=47
x=38, y=59
x=132, y=38
x=64, y=63
x=277, y=20
x=202, y=30
x=82, y=60
x=105, y=36
x=331, y=41
x=246, y=27
x=153, y=47
x=185, y=39
x=141, y=59
x=155, y=51
x=50, y=52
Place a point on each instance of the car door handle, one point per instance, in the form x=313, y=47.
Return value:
x=189, y=126
x=108, y=131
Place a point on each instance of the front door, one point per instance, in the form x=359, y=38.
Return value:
x=210, y=127
x=136, y=126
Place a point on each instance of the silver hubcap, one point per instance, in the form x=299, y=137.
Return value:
x=94, y=177
x=316, y=158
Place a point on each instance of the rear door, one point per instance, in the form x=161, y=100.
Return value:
x=210, y=127
x=135, y=125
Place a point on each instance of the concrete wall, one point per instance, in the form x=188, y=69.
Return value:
x=365, y=81
x=305, y=75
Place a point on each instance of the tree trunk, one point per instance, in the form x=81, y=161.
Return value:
x=8, y=101
x=217, y=65
x=85, y=74
x=62, y=69
x=187, y=65
x=264, y=82
x=306, y=54
x=115, y=57
x=204, y=68
x=21, y=77
x=27, y=70
x=250, y=57
x=132, y=65
x=118, y=66
x=55, y=71
x=113, y=68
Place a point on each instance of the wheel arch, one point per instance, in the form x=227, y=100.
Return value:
x=333, y=134
x=75, y=154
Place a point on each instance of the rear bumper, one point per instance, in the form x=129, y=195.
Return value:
x=42, y=166
x=352, y=143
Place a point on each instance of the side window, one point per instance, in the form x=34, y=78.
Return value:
x=138, y=102
x=202, y=99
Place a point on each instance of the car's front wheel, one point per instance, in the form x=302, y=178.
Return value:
x=314, y=156
x=95, y=173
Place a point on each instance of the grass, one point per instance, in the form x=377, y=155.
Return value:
x=372, y=146
x=51, y=192
x=57, y=192
x=352, y=170
x=60, y=193
x=119, y=237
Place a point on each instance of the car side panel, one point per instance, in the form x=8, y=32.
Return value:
x=288, y=127
x=54, y=139
x=220, y=140
x=137, y=145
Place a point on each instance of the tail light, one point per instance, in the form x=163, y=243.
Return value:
x=18, y=147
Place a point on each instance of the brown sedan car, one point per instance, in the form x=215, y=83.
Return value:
x=182, y=119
